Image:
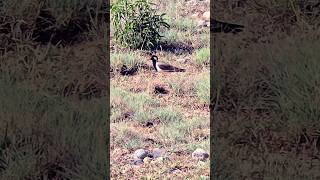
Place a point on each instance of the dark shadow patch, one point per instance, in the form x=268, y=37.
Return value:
x=176, y=48
x=125, y=71
x=45, y=27
x=151, y=123
x=5, y=143
x=128, y=115
x=146, y=67
x=53, y=170
x=89, y=91
x=160, y=90
x=69, y=89
x=151, y=141
x=8, y=38
x=310, y=9
x=93, y=90
x=48, y=30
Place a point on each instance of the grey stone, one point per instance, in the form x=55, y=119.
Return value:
x=137, y=161
x=157, y=152
x=200, y=154
x=174, y=170
x=140, y=154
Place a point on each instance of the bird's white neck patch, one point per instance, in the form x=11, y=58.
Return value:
x=157, y=66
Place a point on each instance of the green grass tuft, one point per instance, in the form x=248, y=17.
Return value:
x=126, y=138
x=36, y=122
x=185, y=24
x=203, y=57
x=202, y=88
x=295, y=80
x=129, y=59
x=140, y=104
x=167, y=115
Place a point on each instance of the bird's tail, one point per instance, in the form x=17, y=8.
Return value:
x=218, y=26
x=180, y=70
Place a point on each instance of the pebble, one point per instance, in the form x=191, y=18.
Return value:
x=140, y=154
x=157, y=152
x=137, y=162
x=200, y=154
x=174, y=170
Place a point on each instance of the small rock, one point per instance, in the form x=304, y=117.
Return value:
x=147, y=160
x=206, y=15
x=140, y=154
x=174, y=170
x=200, y=154
x=149, y=124
x=157, y=152
x=137, y=162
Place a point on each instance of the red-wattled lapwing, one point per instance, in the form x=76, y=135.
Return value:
x=161, y=67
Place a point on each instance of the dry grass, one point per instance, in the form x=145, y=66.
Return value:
x=53, y=94
x=266, y=124
x=180, y=116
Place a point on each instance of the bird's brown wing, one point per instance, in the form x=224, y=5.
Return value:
x=169, y=68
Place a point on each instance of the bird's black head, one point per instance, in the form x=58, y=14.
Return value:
x=154, y=58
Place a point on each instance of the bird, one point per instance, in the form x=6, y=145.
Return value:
x=219, y=26
x=161, y=67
